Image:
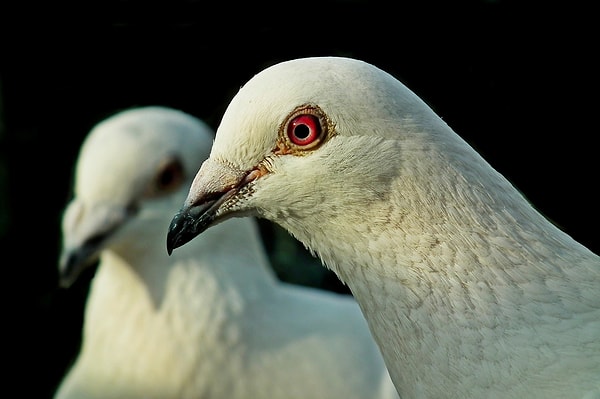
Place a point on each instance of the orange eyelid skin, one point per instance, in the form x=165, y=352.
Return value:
x=283, y=147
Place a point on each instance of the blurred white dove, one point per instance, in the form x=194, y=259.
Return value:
x=468, y=290
x=212, y=321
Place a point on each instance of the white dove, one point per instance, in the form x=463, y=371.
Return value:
x=468, y=290
x=212, y=321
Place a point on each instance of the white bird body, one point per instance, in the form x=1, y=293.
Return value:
x=211, y=321
x=468, y=290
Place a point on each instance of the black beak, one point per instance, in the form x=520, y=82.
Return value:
x=188, y=223
x=206, y=202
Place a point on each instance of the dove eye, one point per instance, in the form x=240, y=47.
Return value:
x=168, y=178
x=304, y=130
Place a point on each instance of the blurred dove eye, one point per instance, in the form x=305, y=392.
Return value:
x=168, y=178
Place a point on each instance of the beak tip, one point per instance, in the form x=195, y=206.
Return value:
x=64, y=282
x=70, y=266
x=172, y=234
x=171, y=244
x=178, y=231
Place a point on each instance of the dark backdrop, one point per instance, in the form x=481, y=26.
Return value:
x=516, y=79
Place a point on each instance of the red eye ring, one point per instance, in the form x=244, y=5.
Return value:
x=304, y=129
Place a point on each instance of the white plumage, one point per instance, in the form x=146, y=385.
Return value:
x=212, y=321
x=467, y=289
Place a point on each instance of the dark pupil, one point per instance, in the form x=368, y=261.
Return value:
x=302, y=131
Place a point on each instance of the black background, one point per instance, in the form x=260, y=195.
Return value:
x=517, y=80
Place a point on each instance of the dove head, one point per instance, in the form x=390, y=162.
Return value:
x=133, y=169
x=343, y=90
x=133, y=145
x=301, y=137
